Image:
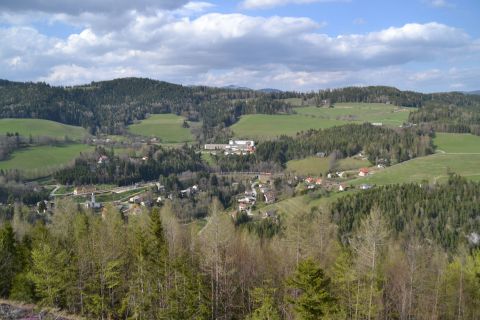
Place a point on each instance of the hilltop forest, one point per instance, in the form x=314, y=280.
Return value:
x=109, y=106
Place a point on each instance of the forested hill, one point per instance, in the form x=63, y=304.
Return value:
x=383, y=94
x=110, y=105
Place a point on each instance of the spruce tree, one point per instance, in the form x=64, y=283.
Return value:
x=8, y=259
x=311, y=297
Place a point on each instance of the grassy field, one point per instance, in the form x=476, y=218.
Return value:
x=316, y=166
x=39, y=127
x=457, y=143
x=261, y=126
x=302, y=203
x=362, y=112
x=433, y=168
x=167, y=127
x=44, y=157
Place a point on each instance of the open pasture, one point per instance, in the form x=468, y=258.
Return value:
x=40, y=127
x=43, y=158
x=457, y=143
x=261, y=126
x=388, y=115
x=167, y=127
x=433, y=168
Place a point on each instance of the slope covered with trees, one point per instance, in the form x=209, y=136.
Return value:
x=109, y=106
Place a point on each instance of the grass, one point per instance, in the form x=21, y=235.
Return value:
x=302, y=203
x=261, y=126
x=167, y=127
x=43, y=157
x=40, y=127
x=434, y=168
x=317, y=166
x=362, y=112
x=457, y=143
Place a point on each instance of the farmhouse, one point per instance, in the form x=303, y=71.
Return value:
x=269, y=197
x=102, y=159
x=309, y=180
x=363, y=172
x=135, y=199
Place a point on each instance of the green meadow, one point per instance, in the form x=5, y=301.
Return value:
x=264, y=126
x=40, y=127
x=43, y=157
x=360, y=112
x=433, y=168
x=457, y=143
x=261, y=126
x=167, y=127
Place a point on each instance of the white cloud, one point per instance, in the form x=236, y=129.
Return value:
x=265, y=4
x=222, y=49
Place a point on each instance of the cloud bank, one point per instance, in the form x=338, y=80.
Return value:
x=219, y=49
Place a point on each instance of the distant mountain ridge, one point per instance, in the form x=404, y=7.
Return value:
x=476, y=92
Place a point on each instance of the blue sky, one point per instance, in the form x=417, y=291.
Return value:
x=423, y=45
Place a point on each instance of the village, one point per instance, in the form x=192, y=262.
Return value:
x=254, y=202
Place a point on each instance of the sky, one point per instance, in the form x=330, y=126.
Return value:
x=300, y=45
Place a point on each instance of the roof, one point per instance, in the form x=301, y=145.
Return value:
x=364, y=170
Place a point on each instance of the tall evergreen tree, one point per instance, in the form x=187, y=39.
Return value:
x=8, y=259
x=311, y=293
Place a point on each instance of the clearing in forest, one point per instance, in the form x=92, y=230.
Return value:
x=167, y=127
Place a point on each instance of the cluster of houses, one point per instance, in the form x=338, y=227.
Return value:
x=238, y=147
x=249, y=198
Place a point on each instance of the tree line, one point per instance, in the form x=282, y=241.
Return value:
x=123, y=170
x=379, y=144
x=446, y=214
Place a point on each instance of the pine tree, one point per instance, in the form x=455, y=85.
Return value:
x=49, y=273
x=8, y=259
x=311, y=296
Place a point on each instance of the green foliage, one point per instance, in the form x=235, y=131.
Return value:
x=121, y=171
x=50, y=274
x=8, y=259
x=311, y=295
x=109, y=106
x=445, y=213
x=377, y=142
x=265, y=307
